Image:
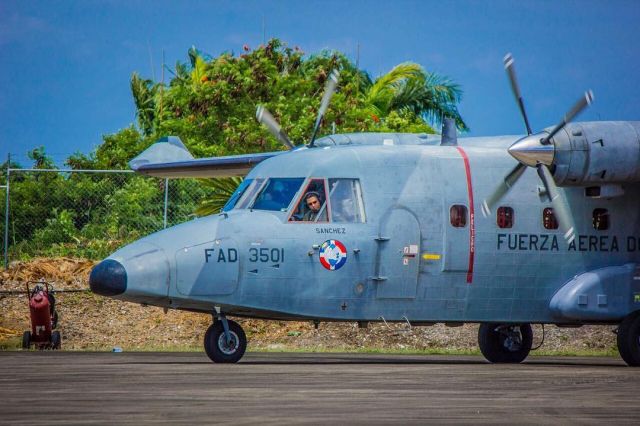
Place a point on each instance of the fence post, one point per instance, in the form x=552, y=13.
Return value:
x=166, y=200
x=6, y=216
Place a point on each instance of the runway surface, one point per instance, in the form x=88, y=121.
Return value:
x=274, y=388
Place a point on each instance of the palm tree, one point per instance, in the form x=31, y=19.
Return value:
x=409, y=87
x=222, y=189
x=144, y=93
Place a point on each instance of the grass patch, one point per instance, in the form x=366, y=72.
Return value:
x=14, y=343
x=611, y=352
x=11, y=343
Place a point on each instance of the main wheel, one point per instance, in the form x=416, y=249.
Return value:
x=629, y=339
x=505, y=343
x=217, y=347
x=56, y=340
x=26, y=340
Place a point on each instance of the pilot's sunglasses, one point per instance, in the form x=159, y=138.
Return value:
x=310, y=203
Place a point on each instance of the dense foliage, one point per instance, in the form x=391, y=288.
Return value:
x=210, y=104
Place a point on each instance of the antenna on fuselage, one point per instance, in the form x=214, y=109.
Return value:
x=449, y=132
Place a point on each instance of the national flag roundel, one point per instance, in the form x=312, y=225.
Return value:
x=333, y=255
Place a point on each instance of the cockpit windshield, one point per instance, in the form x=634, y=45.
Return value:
x=231, y=203
x=277, y=194
x=322, y=200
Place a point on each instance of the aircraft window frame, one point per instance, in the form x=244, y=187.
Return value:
x=355, y=195
x=267, y=186
x=461, y=215
x=326, y=204
x=505, y=216
x=601, y=219
x=235, y=197
x=250, y=193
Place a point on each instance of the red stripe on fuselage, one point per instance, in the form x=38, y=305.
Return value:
x=472, y=222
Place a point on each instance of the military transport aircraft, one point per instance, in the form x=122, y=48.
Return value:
x=384, y=227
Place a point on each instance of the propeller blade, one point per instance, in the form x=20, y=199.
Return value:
x=265, y=118
x=577, y=109
x=511, y=72
x=560, y=207
x=329, y=89
x=502, y=189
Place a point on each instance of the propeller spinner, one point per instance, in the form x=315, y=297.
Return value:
x=537, y=150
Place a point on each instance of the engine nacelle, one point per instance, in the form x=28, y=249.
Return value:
x=597, y=153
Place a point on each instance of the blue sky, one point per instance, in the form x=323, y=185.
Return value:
x=65, y=65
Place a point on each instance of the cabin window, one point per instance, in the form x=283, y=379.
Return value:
x=504, y=218
x=312, y=205
x=277, y=194
x=345, y=197
x=600, y=219
x=231, y=203
x=458, y=215
x=248, y=195
x=549, y=220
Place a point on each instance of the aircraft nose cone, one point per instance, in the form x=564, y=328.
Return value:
x=108, y=278
x=530, y=151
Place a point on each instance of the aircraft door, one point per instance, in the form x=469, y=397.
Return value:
x=398, y=256
x=208, y=269
x=457, y=210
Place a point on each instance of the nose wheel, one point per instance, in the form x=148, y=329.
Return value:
x=222, y=347
x=505, y=343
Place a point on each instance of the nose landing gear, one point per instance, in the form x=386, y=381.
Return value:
x=225, y=341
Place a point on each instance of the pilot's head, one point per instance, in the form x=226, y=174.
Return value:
x=313, y=201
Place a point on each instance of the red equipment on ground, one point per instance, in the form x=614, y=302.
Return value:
x=44, y=319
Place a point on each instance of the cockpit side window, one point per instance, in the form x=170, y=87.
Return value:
x=277, y=194
x=346, y=201
x=312, y=206
x=231, y=203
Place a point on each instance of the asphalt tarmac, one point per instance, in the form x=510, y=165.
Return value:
x=274, y=388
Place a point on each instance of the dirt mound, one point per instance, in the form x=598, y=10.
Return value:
x=88, y=321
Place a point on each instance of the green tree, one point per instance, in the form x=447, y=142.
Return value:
x=144, y=93
x=408, y=87
x=221, y=190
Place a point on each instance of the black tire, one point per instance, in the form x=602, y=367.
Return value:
x=629, y=339
x=505, y=343
x=215, y=343
x=54, y=320
x=56, y=340
x=26, y=340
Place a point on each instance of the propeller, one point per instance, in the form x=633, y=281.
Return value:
x=577, y=109
x=560, y=208
x=265, y=118
x=511, y=72
x=329, y=89
x=502, y=189
x=534, y=147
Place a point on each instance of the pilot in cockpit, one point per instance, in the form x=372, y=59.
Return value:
x=312, y=200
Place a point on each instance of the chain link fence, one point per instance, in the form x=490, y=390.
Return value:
x=88, y=213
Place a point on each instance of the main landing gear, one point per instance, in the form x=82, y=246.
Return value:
x=225, y=340
x=505, y=343
x=629, y=339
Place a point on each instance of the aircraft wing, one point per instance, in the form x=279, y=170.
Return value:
x=169, y=158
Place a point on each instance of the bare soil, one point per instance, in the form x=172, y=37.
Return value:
x=91, y=322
